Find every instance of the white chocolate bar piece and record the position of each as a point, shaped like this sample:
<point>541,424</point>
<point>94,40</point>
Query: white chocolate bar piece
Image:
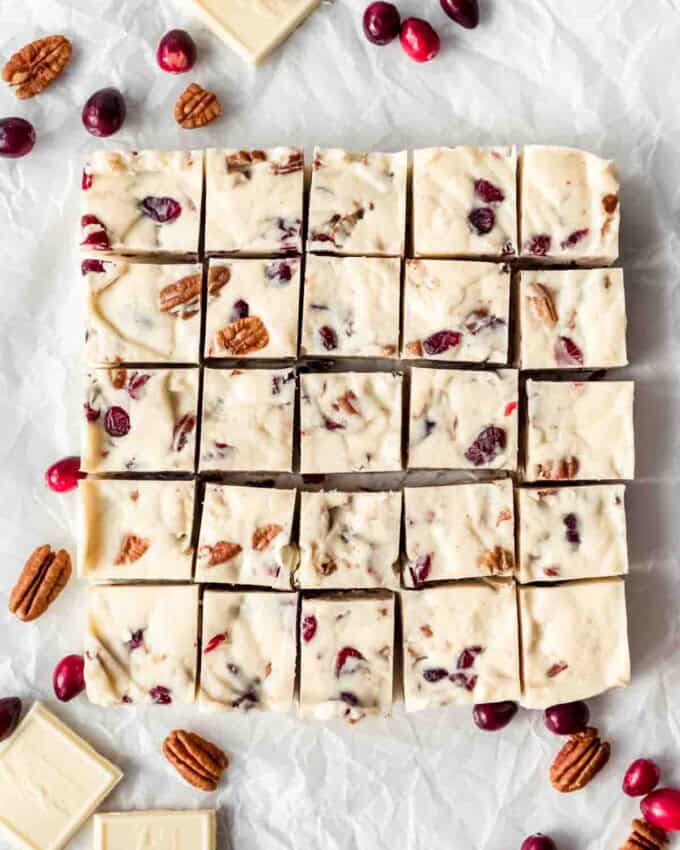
<point>156,830</point>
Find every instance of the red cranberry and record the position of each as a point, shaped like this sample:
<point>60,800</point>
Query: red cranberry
<point>176,52</point>
<point>435,674</point>
<point>641,778</point>
<point>382,23</point>
<point>567,353</point>
<point>87,181</point>
<point>97,238</point>
<point>90,413</point>
<point>492,716</point>
<point>136,639</point>
<point>280,271</point>
<point>538,842</point>
<point>96,266</point>
<point>116,422</point>
<point>161,210</point>
<point>180,434</point>
<point>539,245</point>
<point>419,40</point>
<point>440,342</point>
<point>574,238</point>
<point>343,663</point>
<point>463,12</point>
<point>104,112</point>
<point>10,711</point>
<point>160,695</point>
<point>567,718</point>
<point>662,808</point>
<point>213,643</point>
<point>483,220</point>
<point>64,475</point>
<point>309,625</point>
<point>487,445</point>
<point>69,677</point>
<point>17,137</point>
<point>137,382</point>
<point>349,698</point>
<point>571,524</point>
<point>240,310</point>
<point>421,569</point>
<point>329,338</point>
<point>467,657</point>
<point>489,193</point>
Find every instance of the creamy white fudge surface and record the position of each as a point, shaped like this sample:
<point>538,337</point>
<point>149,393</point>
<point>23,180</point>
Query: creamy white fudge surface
<point>142,202</point>
<point>572,319</point>
<point>349,540</point>
<point>580,430</point>
<point>357,203</point>
<point>572,533</point>
<point>464,202</point>
<point>136,530</point>
<point>460,644</point>
<point>52,781</point>
<point>255,313</point>
<point>575,641</point>
<point>463,419</point>
<point>569,202</point>
<point>347,656</point>
<point>254,201</point>
<point>245,536</point>
<point>248,420</point>
<point>459,531</point>
<point>140,420</point>
<point>455,310</point>
<point>350,422</point>
<point>140,645</point>
<point>351,307</point>
<point>249,651</point>
<point>142,313</point>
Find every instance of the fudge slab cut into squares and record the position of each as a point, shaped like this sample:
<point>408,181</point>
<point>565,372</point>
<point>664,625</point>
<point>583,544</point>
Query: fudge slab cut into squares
<point>457,311</point>
<point>52,781</point>
<point>248,420</point>
<point>193,830</point>
<point>140,645</point>
<point>351,422</point>
<point>142,313</point>
<point>254,201</point>
<point>459,531</point>
<point>347,656</point>
<point>572,533</point>
<point>245,536</point>
<point>569,206</point>
<point>572,319</point>
<point>464,202</point>
<point>463,419</point>
<point>249,651</point>
<point>253,308</point>
<point>580,430</point>
<point>140,420</point>
<point>136,530</point>
<point>574,641</point>
<point>142,202</point>
<point>351,307</point>
<point>461,644</point>
<point>357,203</point>
<point>349,540</point>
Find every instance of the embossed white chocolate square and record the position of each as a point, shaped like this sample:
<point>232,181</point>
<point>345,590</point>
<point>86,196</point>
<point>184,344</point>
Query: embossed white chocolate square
<point>461,644</point>
<point>574,641</point>
<point>156,830</point>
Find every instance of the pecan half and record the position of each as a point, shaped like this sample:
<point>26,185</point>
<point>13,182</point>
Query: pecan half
<point>36,65</point>
<point>294,162</point>
<point>222,552</point>
<point>196,107</point>
<point>497,560</point>
<point>243,336</point>
<point>264,535</point>
<point>131,549</point>
<point>218,277</point>
<point>181,298</point>
<point>541,304</point>
<point>415,348</point>
<point>242,162</point>
<point>565,468</point>
<point>196,760</point>
<point>644,836</point>
<point>349,403</point>
<point>118,378</point>
<point>579,761</point>
<point>42,579</point>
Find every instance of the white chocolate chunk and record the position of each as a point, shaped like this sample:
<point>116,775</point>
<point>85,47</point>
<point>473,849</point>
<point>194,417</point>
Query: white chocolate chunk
<point>156,830</point>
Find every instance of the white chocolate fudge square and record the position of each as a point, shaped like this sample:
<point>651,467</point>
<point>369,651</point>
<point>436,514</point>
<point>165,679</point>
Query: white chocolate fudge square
<point>572,533</point>
<point>249,651</point>
<point>357,203</point>
<point>255,313</point>
<point>455,310</point>
<point>136,530</point>
<point>142,313</point>
<point>140,420</point>
<point>248,420</point>
<point>347,656</point>
<point>580,430</point>
<point>142,202</point>
<point>140,645</point>
<point>569,206</point>
<point>245,536</point>
<point>459,531</point>
<point>464,202</point>
<point>349,540</point>
<point>574,641</point>
<point>351,422</point>
<point>160,830</point>
<point>463,419</point>
<point>51,782</point>
<point>254,201</point>
<point>572,319</point>
<point>351,306</point>
<point>461,644</point>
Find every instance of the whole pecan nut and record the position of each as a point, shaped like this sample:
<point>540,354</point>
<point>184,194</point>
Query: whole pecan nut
<point>182,297</point>
<point>36,65</point>
<point>541,304</point>
<point>197,761</point>
<point>242,336</point>
<point>579,761</point>
<point>644,836</point>
<point>42,579</point>
<point>131,549</point>
<point>263,536</point>
<point>196,107</point>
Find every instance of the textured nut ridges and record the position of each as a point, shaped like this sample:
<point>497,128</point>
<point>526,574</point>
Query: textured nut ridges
<point>497,560</point>
<point>218,277</point>
<point>264,535</point>
<point>243,336</point>
<point>42,579</point>
<point>196,107</point>
<point>34,67</point>
<point>565,468</point>
<point>294,162</point>
<point>579,761</point>
<point>181,297</point>
<point>222,552</point>
<point>118,378</point>
<point>541,304</point>
<point>644,836</point>
<point>197,761</point>
<point>131,549</point>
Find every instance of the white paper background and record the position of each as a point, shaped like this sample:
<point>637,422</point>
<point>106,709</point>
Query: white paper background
<point>602,74</point>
